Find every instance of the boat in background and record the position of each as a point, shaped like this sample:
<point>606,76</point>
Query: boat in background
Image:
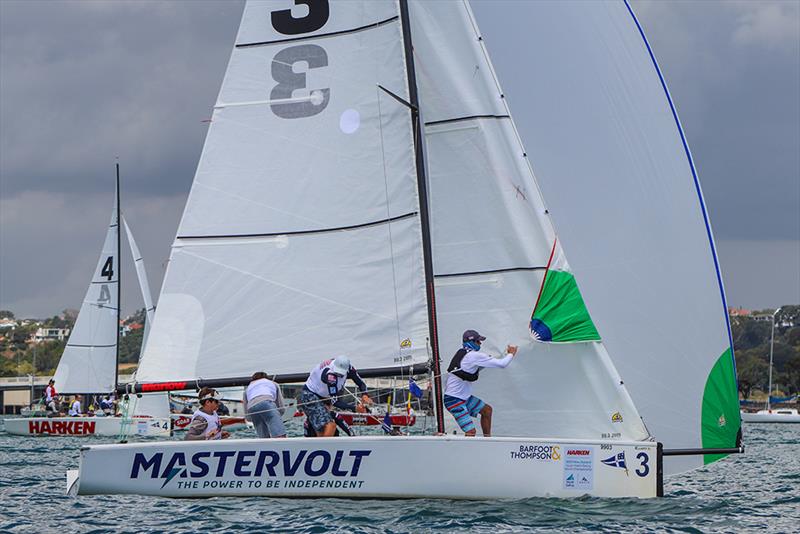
<point>768,414</point>
<point>358,194</point>
<point>90,359</point>
<point>772,415</point>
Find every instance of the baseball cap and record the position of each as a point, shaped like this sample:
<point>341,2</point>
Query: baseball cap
<point>341,365</point>
<point>472,335</point>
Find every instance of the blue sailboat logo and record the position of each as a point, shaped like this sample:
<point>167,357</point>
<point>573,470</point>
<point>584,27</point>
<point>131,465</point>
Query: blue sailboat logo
<point>618,460</point>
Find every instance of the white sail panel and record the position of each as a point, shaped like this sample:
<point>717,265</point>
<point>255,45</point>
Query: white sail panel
<point>488,217</point>
<point>617,174</point>
<point>144,285</point>
<point>451,66</point>
<point>284,304</point>
<point>153,404</point>
<point>326,148</point>
<point>487,213</point>
<point>267,21</point>
<point>89,361</point>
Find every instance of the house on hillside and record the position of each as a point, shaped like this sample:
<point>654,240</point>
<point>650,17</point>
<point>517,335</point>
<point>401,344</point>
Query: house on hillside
<point>50,334</point>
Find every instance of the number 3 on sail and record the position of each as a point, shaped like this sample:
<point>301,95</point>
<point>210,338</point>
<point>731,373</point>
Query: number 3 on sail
<point>356,196</point>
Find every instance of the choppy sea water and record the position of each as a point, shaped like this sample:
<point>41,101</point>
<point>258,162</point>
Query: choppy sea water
<point>755,492</point>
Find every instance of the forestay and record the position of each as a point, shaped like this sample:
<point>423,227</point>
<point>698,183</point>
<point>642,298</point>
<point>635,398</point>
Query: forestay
<point>301,236</point>
<point>492,240</point>
<point>89,361</point>
<point>614,165</point>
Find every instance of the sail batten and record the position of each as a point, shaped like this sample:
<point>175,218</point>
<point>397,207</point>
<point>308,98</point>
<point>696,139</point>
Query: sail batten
<point>303,232</point>
<point>320,36</point>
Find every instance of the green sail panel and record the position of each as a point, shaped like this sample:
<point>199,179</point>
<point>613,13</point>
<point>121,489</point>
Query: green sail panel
<point>560,315</point>
<point>720,420</point>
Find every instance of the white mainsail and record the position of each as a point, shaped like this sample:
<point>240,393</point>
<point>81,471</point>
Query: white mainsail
<point>301,236</point>
<point>89,361</point>
<point>615,168</point>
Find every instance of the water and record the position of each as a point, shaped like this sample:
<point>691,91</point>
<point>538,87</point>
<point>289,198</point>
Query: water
<point>757,491</point>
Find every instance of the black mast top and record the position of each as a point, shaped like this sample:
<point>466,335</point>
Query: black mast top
<point>423,211</point>
<point>119,285</point>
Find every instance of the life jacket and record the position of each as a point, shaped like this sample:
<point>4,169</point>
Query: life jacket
<point>455,367</point>
<point>213,423</point>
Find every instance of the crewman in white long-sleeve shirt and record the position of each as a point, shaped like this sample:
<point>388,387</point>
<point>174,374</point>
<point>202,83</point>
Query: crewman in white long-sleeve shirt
<point>463,370</point>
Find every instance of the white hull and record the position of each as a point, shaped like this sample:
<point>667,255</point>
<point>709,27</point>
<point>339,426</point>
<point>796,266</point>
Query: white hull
<point>87,426</point>
<point>771,416</point>
<point>374,466</point>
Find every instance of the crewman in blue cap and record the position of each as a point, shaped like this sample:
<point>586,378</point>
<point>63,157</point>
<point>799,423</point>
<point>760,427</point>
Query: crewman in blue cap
<point>462,372</point>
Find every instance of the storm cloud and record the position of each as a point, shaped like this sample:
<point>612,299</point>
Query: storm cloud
<point>83,83</point>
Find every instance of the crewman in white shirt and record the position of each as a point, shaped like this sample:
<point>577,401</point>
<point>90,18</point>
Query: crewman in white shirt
<point>75,409</point>
<point>463,371</point>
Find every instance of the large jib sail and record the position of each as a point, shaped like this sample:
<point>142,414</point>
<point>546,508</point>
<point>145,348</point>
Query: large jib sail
<point>89,361</point>
<point>492,241</point>
<point>301,236</point>
<point>614,165</point>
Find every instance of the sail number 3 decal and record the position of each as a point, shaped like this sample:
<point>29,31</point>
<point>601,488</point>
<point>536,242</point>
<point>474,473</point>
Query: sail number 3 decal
<point>284,61</point>
<point>644,469</point>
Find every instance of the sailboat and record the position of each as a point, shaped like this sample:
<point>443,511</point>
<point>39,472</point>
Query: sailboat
<point>89,361</point>
<point>363,190</point>
<point>769,414</point>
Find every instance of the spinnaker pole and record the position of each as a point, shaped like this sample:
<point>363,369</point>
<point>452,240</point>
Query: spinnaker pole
<point>422,191</point>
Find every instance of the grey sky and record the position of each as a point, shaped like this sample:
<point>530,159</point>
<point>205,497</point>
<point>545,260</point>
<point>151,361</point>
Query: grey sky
<point>83,82</point>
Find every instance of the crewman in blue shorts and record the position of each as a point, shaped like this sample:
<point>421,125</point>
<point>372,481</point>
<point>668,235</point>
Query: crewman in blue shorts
<point>462,372</point>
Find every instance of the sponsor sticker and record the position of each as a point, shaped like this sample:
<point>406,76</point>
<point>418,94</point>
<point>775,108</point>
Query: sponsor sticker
<point>69,428</point>
<point>237,469</point>
<point>543,453</point>
<point>616,417</point>
<point>405,344</point>
<point>578,468</point>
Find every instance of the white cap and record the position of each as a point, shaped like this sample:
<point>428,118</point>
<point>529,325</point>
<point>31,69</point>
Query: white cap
<point>341,365</point>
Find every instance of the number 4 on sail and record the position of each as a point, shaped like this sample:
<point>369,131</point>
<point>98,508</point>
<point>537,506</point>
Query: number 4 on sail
<point>363,190</point>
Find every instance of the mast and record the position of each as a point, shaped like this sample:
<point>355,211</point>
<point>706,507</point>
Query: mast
<point>423,211</point>
<point>119,287</point>
<point>771,346</point>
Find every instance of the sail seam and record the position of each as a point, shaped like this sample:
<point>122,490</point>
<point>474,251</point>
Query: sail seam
<point>105,282</point>
<point>305,232</point>
<point>97,346</point>
<point>332,34</point>
<point>492,271</point>
<point>467,118</point>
